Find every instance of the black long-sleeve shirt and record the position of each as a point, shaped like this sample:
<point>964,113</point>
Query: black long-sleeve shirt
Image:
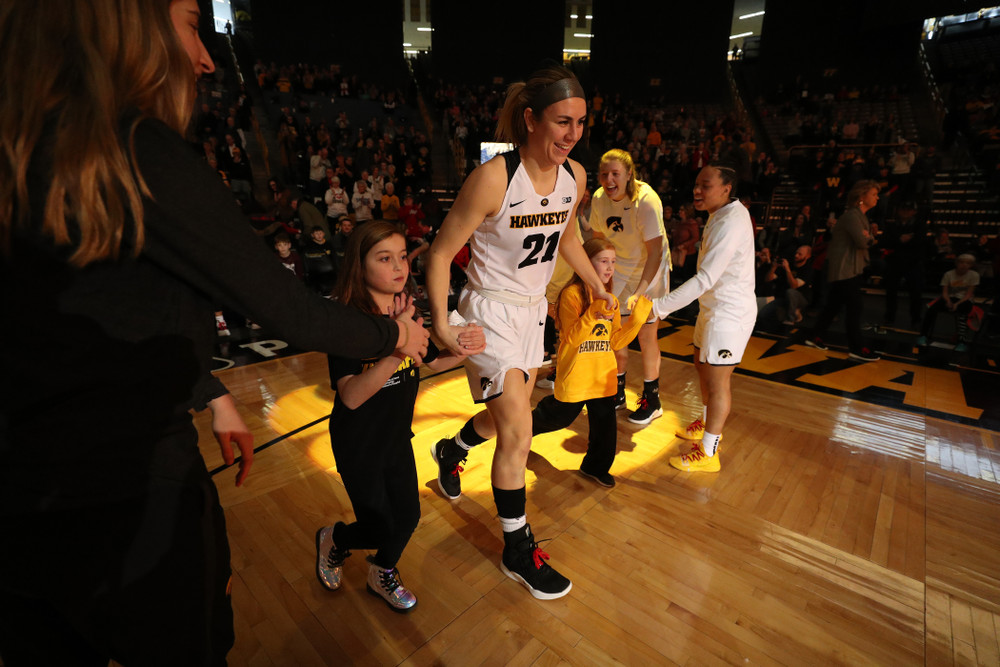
<point>99,366</point>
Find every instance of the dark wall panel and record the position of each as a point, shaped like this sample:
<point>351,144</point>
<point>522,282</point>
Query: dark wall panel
<point>682,44</point>
<point>476,41</point>
<point>365,38</point>
<point>860,39</point>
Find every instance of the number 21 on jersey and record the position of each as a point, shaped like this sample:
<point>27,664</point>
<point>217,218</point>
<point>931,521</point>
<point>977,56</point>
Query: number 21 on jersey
<point>535,243</point>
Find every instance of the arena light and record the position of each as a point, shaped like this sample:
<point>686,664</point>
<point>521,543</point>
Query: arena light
<point>742,34</point>
<point>750,16</point>
<point>582,34</point>
<point>574,16</point>
<point>576,50</point>
<point>589,16</point>
<point>407,44</point>
<point>425,29</point>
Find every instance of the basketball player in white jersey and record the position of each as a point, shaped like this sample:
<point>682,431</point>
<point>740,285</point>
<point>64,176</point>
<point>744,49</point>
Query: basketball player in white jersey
<point>723,285</point>
<point>513,210</point>
<point>628,212</point>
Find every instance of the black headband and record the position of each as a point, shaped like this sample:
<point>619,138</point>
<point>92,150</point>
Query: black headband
<point>557,91</point>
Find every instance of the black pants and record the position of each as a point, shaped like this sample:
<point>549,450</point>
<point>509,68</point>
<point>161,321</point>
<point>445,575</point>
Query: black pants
<point>381,480</point>
<point>143,581</point>
<point>843,294</point>
<point>961,314</point>
<point>551,415</point>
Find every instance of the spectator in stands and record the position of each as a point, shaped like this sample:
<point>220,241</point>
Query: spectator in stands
<point>308,216</point>
<point>289,258</point>
<point>362,202</point>
<point>846,262</point>
<point>390,203</point>
<point>794,236</point>
<point>317,254</point>
<point>684,244</point>
<point>318,175</point>
<point>339,242</point>
<point>958,287</point>
<point>793,286</point>
<point>336,199</point>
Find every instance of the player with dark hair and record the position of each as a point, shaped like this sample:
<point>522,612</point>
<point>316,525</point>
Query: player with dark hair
<point>723,285</point>
<point>513,211</point>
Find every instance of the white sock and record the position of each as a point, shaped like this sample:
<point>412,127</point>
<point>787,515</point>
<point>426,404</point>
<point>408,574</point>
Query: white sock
<point>510,525</point>
<point>458,441</point>
<point>710,443</point>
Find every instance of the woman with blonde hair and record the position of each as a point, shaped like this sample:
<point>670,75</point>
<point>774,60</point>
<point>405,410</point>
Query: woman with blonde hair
<point>629,213</point>
<point>115,242</point>
<point>513,210</point>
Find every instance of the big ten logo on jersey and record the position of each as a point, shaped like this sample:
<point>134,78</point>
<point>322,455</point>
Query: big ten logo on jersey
<point>615,224</point>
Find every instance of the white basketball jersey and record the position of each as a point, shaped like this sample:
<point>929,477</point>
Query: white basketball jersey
<point>516,249</point>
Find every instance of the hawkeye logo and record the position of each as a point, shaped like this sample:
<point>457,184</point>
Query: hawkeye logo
<point>599,330</point>
<point>485,383</point>
<point>538,219</point>
<point>725,354</point>
<point>615,224</point>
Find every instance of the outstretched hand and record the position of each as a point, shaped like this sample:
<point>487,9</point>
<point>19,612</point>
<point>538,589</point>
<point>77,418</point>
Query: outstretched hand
<point>228,427</point>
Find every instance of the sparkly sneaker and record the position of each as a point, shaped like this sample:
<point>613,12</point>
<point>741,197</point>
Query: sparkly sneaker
<point>694,431</point>
<point>696,461</point>
<point>524,562</point>
<point>387,585</point>
<point>449,468</point>
<point>647,410</point>
<point>329,559</point>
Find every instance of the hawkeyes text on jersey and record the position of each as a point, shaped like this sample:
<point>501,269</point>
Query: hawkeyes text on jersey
<point>538,219</point>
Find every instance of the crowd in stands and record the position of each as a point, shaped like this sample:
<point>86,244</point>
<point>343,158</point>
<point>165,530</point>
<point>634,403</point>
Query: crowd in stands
<point>351,172</point>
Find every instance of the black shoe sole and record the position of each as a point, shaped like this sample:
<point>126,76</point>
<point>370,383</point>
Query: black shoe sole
<point>535,593</point>
<point>656,413</point>
<point>598,480</point>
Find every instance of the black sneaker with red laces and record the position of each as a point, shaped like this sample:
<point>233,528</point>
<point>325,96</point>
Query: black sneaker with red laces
<point>647,410</point>
<point>524,562</point>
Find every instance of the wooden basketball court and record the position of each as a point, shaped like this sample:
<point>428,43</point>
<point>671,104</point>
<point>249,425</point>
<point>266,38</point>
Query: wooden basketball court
<point>837,532</point>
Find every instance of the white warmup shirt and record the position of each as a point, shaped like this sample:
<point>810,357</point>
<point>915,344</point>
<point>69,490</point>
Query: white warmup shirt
<point>724,282</point>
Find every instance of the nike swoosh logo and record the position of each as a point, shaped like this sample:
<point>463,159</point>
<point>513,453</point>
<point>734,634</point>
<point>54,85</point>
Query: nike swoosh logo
<point>518,203</point>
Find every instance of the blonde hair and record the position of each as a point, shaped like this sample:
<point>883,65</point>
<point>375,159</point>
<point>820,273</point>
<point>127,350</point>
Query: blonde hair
<point>511,126</point>
<point>625,159</point>
<point>72,72</point>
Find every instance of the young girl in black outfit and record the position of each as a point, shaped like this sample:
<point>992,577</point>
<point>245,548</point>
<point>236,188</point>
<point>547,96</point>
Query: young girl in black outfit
<point>370,424</point>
